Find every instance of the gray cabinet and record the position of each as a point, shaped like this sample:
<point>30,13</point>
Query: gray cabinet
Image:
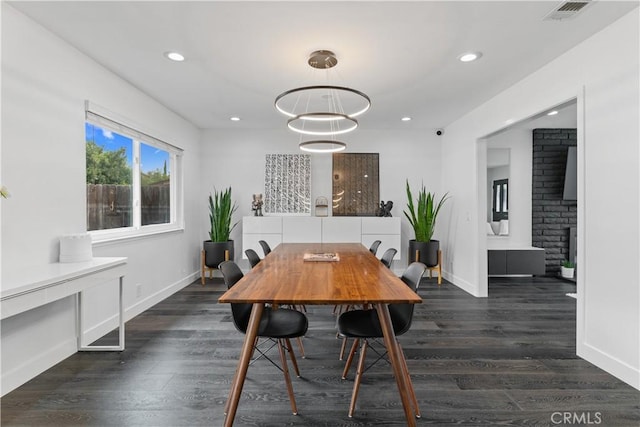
<point>497,262</point>
<point>514,261</point>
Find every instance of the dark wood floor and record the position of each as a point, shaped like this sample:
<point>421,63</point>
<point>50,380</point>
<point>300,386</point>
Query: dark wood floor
<point>508,359</point>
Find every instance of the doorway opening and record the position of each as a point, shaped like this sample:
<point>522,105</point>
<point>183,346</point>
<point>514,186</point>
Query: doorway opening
<point>538,212</point>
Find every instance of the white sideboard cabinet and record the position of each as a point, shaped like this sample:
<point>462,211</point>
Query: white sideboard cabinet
<point>341,229</point>
<point>301,229</point>
<point>256,228</point>
<point>387,230</point>
<point>310,229</point>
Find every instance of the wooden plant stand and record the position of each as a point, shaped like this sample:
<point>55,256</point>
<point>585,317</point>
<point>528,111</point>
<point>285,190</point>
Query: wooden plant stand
<point>204,268</point>
<point>437,268</point>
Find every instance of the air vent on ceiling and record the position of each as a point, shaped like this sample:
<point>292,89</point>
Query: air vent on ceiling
<point>566,10</point>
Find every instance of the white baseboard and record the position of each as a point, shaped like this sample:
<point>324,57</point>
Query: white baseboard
<point>610,364</point>
<point>153,299</point>
<point>466,286</point>
<point>36,365</point>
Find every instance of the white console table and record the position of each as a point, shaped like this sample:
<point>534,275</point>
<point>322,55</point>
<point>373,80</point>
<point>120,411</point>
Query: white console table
<point>33,287</point>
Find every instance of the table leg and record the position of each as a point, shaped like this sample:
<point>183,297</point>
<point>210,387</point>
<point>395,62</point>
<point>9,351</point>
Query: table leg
<point>396,361</point>
<point>80,328</point>
<point>121,315</point>
<point>243,363</point>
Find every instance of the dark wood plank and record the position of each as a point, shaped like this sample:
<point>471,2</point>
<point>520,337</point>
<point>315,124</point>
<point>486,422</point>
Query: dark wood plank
<point>505,360</point>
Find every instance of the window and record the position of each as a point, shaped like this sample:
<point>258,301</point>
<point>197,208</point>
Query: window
<point>109,179</point>
<point>500,199</point>
<point>131,181</point>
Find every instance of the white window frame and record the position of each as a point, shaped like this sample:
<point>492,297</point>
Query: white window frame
<point>99,117</point>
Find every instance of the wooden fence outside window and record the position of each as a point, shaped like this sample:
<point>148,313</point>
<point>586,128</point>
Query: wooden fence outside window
<point>110,206</point>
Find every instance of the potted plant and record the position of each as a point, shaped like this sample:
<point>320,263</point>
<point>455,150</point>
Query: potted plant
<point>422,218</point>
<point>219,247</point>
<point>567,270</point>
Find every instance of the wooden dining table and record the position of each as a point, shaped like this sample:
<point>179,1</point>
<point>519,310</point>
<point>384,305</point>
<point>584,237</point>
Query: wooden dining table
<point>357,277</point>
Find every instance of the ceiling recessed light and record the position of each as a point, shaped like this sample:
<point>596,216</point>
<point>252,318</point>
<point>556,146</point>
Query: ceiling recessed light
<point>405,119</point>
<point>469,56</point>
<point>174,56</point>
<point>552,113</point>
<point>234,119</point>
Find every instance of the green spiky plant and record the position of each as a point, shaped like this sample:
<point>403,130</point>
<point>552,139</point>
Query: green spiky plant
<point>423,216</point>
<point>221,210</point>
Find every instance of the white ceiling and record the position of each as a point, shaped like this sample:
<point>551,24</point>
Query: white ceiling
<point>241,55</point>
<point>566,117</point>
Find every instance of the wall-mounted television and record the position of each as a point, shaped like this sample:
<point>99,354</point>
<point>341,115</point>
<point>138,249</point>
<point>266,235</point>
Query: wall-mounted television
<point>571,175</point>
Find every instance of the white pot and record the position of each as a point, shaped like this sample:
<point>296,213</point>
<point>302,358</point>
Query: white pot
<point>567,273</point>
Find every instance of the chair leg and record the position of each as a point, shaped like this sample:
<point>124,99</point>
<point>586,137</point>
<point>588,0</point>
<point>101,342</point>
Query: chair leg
<point>299,339</point>
<point>292,356</point>
<point>343,347</point>
<point>356,383</point>
<point>287,377</point>
<point>412,392</point>
<point>352,352</point>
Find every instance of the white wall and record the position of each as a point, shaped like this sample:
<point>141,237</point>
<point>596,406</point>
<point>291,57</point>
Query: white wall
<point>603,74</point>
<point>237,158</point>
<point>44,85</point>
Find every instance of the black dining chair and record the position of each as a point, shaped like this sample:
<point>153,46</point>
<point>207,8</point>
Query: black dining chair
<point>265,247</point>
<point>374,247</point>
<point>253,257</point>
<point>387,257</point>
<point>279,325</point>
<point>364,326</point>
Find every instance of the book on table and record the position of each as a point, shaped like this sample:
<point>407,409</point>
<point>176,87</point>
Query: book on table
<point>322,257</point>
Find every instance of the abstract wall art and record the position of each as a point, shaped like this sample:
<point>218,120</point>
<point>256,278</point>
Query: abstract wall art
<point>356,184</point>
<point>287,184</point>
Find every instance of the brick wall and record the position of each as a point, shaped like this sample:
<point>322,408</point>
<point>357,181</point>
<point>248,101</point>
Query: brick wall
<point>551,216</point>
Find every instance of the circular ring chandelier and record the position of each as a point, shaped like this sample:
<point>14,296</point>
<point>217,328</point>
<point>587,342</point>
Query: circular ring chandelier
<point>320,124</point>
<point>323,98</point>
<point>322,146</point>
<point>321,109</point>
